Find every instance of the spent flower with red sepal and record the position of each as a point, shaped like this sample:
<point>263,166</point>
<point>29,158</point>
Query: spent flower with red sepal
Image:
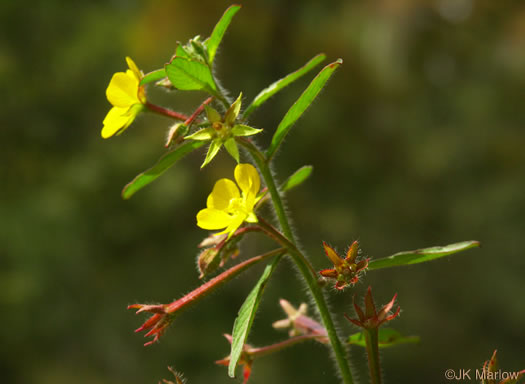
<point>163,314</point>
<point>370,318</point>
<point>346,271</point>
<point>249,353</point>
<point>157,324</point>
<point>245,359</point>
<point>492,374</point>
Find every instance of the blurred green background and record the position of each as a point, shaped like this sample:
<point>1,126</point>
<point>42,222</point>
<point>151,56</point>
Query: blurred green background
<point>418,140</point>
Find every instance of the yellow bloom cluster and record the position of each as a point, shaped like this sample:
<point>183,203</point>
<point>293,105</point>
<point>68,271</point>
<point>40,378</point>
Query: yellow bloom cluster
<point>127,97</point>
<point>226,207</point>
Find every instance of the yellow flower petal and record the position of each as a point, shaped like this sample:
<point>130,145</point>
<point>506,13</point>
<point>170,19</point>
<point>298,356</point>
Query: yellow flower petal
<point>133,67</point>
<point>248,180</point>
<point>210,218</point>
<point>236,222</point>
<point>252,218</point>
<point>123,89</point>
<point>223,191</point>
<point>116,120</point>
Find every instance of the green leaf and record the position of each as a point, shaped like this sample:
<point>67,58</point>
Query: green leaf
<point>190,75</point>
<point>388,337</point>
<point>297,178</point>
<point>231,147</point>
<point>213,149</point>
<point>301,105</point>
<point>153,76</point>
<point>219,30</point>
<point>266,93</point>
<point>421,255</point>
<point>244,319</point>
<point>165,162</point>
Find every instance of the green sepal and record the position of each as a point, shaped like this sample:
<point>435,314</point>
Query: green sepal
<point>156,75</point>
<point>163,164</point>
<point>421,255</point>
<point>218,32</point>
<point>297,178</point>
<point>244,130</point>
<point>231,114</point>
<point>190,75</point>
<point>212,114</point>
<point>213,149</point>
<point>201,135</point>
<point>231,147</point>
<point>388,337</point>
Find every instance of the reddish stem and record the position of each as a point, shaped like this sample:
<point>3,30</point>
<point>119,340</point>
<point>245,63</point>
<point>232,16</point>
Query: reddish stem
<point>166,112</point>
<point>210,286</point>
<point>198,111</point>
<point>268,349</point>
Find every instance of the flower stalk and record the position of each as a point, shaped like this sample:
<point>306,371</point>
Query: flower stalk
<point>166,112</point>
<point>370,319</point>
<point>372,352</point>
<point>163,314</point>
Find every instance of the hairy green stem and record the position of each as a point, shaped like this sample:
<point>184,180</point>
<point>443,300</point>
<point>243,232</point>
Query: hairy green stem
<point>372,351</point>
<point>304,267</point>
<point>271,231</point>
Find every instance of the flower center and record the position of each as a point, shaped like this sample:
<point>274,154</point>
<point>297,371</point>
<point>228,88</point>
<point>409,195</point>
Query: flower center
<point>237,205</point>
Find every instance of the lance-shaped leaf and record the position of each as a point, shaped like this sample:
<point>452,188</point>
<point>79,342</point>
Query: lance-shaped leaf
<point>219,30</point>
<point>156,75</point>
<point>266,93</point>
<point>244,319</point>
<point>301,105</point>
<point>388,337</point>
<point>190,75</point>
<point>421,255</point>
<point>297,178</point>
<point>165,162</point>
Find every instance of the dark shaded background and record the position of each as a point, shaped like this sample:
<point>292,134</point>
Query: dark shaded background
<point>417,141</point>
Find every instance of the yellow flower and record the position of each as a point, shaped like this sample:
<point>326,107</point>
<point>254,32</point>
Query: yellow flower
<point>226,207</point>
<point>127,97</point>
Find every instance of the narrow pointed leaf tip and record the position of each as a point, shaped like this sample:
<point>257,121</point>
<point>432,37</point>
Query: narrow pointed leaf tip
<point>299,177</point>
<point>421,255</point>
<point>301,105</point>
<point>268,92</point>
<point>244,320</point>
<point>219,30</point>
<point>162,165</point>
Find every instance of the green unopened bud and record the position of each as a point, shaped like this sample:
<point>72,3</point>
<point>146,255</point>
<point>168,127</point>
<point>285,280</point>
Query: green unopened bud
<point>208,261</point>
<point>175,133</point>
<point>216,256</point>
